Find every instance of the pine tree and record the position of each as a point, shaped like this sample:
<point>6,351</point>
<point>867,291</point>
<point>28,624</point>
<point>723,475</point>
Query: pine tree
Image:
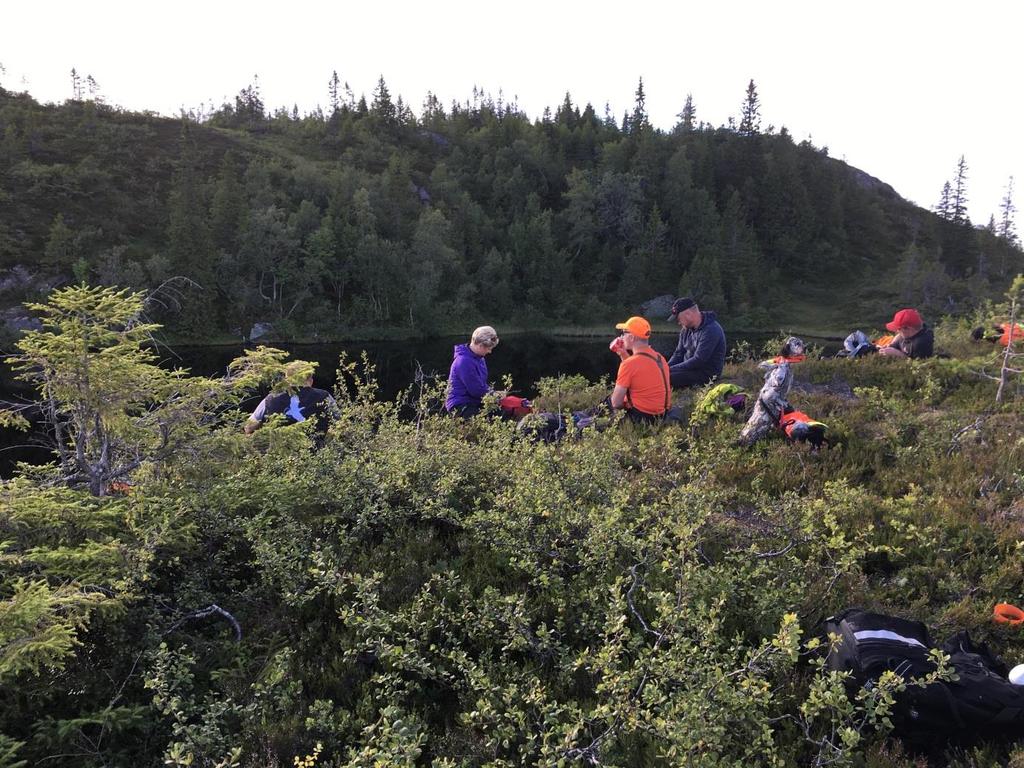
<point>609,118</point>
<point>688,115</point>
<point>228,205</point>
<point>382,105</point>
<point>750,122</point>
<point>189,246</point>
<point>76,85</point>
<point>332,92</point>
<point>93,87</point>
<point>958,207</point>
<point>1007,209</point>
<point>61,248</point>
<point>638,120</point>
<point>248,104</point>
<point>567,114</point>
<point>944,206</point>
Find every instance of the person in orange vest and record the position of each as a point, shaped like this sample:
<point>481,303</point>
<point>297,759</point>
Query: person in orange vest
<point>1000,334</point>
<point>914,339</point>
<point>642,386</point>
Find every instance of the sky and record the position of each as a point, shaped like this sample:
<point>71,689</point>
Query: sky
<point>900,89</point>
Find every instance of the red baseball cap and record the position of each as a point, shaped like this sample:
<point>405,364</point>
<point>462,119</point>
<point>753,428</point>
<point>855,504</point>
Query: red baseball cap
<point>905,318</point>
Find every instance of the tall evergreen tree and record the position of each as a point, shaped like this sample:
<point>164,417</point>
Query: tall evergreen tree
<point>945,205</point>
<point>76,85</point>
<point>638,120</point>
<point>958,207</point>
<point>188,238</point>
<point>332,92</point>
<point>750,120</point>
<point>249,105</point>
<point>382,106</point>
<point>567,114</point>
<point>688,116</point>
<point>1007,209</point>
<point>61,249</point>
<point>609,118</point>
<point>228,205</point>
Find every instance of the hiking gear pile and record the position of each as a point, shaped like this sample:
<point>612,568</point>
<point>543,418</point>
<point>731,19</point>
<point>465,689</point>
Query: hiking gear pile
<point>721,400</point>
<point>980,703</point>
<point>515,407</point>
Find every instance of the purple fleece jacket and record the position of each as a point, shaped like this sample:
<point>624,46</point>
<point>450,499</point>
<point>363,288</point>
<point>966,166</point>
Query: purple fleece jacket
<point>467,380</point>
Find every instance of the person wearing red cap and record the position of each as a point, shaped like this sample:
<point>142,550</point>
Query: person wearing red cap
<point>642,386</point>
<point>914,339</point>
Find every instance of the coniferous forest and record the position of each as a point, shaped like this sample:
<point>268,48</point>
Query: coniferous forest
<point>367,219</point>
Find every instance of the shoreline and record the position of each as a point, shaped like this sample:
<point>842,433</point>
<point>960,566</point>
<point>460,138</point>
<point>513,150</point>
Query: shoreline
<point>566,332</point>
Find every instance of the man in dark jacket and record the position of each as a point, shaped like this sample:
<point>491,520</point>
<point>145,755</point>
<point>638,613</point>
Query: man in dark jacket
<point>700,354</point>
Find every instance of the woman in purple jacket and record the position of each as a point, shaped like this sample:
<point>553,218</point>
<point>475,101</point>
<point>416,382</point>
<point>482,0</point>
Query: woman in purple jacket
<point>467,379</point>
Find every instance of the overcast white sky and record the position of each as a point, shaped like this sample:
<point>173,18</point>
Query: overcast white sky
<point>899,89</point>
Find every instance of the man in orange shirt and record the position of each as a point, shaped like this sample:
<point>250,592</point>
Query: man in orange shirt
<point>642,386</point>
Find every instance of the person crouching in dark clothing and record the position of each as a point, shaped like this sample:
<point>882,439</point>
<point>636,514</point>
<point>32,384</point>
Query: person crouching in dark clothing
<point>299,401</point>
<point>700,353</point>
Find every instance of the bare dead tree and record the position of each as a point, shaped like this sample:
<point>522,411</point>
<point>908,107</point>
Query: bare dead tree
<point>1009,355</point>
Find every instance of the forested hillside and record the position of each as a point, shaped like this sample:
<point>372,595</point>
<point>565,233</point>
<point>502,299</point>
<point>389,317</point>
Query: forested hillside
<point>367,218</point>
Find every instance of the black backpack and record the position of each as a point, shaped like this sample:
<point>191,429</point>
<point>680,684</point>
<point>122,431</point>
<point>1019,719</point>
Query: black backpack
<point>981,704</point>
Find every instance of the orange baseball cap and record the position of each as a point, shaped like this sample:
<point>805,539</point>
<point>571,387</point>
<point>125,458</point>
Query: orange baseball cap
<point>905,318</point>
<point>636,326</point>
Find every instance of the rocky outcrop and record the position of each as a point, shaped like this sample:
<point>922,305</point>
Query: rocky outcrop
<point>657,308</point>
<point>260,331</point>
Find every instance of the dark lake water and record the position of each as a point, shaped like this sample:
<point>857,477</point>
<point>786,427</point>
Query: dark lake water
<point>525,357</point>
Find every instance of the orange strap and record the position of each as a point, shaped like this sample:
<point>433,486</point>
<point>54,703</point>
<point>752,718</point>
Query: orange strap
<point>1004,613</point>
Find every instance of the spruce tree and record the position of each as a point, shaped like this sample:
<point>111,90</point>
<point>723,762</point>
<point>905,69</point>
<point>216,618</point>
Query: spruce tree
<point>609,118</point>
<point>688,115</point>
<point>61,247</point>
<point>188,238</point>
<point>638,120</point>
<point>944,206</point>
<point>1007,209</point>
<point>248,104</point>
<point>228,205</point>
<point>332,92</point>
<point>76,85</point>
<point>750,122</point>
<point>958,207</point>
<point>567,114</point>
<point>382,105</point>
